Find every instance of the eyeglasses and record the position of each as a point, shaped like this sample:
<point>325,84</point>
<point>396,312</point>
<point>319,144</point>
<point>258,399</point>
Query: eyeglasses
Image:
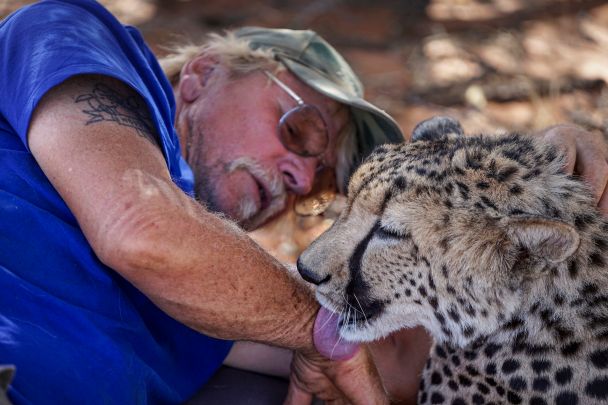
<point>302,130</point>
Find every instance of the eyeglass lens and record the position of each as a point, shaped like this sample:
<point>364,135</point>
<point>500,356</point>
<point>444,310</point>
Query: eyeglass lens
<point>303,131</point>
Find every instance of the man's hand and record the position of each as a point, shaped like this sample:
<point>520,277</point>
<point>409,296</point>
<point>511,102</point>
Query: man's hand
<point>587,155</point>
<point>352,381</point>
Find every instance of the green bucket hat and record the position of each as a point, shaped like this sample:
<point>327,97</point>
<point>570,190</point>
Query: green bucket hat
<point>314,61</point>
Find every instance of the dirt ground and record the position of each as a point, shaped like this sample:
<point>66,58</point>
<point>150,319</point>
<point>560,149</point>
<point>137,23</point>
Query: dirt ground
<point>497,65</point>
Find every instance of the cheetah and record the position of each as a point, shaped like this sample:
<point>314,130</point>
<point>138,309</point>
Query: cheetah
<point>489,245</point>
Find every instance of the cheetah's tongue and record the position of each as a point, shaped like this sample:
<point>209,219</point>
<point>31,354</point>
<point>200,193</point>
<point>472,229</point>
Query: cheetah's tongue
<point>328,341</point>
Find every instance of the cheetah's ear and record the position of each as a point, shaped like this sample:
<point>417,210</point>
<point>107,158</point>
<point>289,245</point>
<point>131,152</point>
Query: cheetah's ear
<point>553,240</point>
<point>437,129</point>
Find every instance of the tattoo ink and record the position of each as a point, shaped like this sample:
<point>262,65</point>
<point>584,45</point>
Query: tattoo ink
<point>104,104</point>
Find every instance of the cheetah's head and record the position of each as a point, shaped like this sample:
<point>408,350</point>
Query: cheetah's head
<point>445,232</point>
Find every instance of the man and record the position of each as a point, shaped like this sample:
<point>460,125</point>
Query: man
<point>101,250</point>
<point>115,282</point>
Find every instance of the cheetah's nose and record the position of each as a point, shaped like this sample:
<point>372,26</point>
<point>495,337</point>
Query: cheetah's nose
<point>310,276</point>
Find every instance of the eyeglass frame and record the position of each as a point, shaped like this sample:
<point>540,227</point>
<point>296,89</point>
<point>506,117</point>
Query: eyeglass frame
<point>300,103</point>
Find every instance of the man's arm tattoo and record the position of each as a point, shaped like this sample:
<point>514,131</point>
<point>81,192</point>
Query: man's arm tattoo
<point>103,103</point>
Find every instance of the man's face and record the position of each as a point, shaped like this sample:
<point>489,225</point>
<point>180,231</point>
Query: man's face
<point>241,168</point>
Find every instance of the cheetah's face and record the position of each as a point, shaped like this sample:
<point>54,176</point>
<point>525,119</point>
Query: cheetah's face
<point>438,226</point>
<point>372,271</point>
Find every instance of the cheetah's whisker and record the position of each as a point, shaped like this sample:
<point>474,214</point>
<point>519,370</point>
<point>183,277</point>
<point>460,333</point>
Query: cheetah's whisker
<point>361,307</point>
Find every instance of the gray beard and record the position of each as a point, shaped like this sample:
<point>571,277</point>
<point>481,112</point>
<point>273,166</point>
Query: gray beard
<point>247,216</point>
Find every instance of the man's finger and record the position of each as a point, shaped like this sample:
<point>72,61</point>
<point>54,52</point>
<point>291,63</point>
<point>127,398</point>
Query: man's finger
<point>296,395</point>
<point>350,380</point>
<point>586,154</point>
<point>557,137</point>
<point>603,204</point>
<point>592,166</point>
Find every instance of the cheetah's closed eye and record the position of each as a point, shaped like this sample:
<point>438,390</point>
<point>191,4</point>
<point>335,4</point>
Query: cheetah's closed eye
<point>485,242</point>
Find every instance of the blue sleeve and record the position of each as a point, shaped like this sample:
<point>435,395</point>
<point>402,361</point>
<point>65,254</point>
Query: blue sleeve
<point>44,44</point>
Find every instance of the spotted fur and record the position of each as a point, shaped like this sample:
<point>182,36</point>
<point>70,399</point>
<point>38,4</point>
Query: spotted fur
<point>490,246</point>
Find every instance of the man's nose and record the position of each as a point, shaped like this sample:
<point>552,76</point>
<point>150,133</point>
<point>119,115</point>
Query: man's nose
<point>299,174</point>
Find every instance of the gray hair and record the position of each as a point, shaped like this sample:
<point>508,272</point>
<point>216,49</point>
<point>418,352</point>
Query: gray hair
<point>236,54</point>
<point>230,50</point>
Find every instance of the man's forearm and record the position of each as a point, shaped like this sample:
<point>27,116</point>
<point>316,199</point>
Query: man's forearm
<point>260,358</point>
<point>203,270</point>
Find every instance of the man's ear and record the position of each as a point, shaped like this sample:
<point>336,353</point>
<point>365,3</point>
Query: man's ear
<point>552,240</point>
<point>194,77</point>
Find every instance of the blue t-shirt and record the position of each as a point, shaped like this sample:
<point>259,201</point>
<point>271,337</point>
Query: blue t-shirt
<point>77,332</point>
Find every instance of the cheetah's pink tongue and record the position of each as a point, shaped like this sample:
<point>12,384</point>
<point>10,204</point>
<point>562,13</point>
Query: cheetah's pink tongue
<point>328,341</point>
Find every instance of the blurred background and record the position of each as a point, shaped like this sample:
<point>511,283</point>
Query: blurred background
<point>506,65</point>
